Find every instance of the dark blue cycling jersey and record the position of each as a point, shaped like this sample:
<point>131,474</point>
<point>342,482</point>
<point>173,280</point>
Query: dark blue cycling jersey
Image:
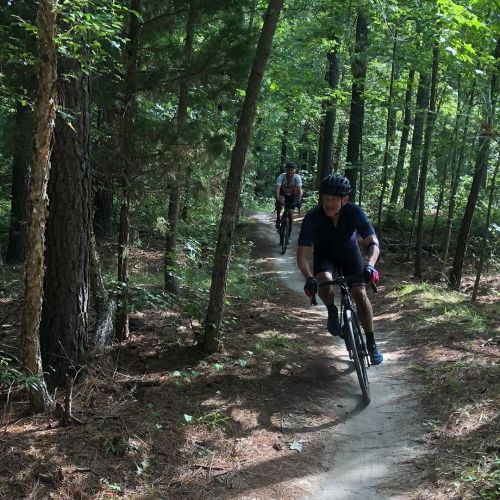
<point>318,229</point>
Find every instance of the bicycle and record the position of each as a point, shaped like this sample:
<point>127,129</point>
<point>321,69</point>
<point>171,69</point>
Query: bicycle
<point>285,229</point>
<point>351,333</point>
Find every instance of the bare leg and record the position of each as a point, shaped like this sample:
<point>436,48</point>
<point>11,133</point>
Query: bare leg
<point>363,307</point>
<point>278,216</point>
<point>325,293</point>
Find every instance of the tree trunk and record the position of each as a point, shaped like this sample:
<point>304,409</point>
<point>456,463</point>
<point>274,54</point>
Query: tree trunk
<point>456,171</point>
<point>444,168</point>
<point>64,328</point>
<point>16,250</point>
<point>485,138</point>
<point>171,284</point>
<point>129,164</point>
<point>398,174</point>
<point>122,296</point>
<point>484,242</point>
<point>389,137</point>
<point>103,205</point>
<point>105,305</point>
<point>416,143</point>
<point>357,112</point>
<point>284,138</point>
<point>211,340</point>
<point>44,115</point>
<point>431,117</point>
<point>332,77</point>
<point>337,155</point>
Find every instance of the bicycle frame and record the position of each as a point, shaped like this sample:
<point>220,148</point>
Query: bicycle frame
<point>286,226</point>
<point>351,333</point>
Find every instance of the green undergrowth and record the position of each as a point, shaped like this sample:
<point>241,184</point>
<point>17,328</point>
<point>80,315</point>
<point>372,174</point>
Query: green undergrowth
<point>460,371</point>
<point>450,312</point>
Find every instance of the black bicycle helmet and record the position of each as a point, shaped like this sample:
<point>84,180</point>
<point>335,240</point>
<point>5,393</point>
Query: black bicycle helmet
<point>335,185</point>
<point>290,165</point>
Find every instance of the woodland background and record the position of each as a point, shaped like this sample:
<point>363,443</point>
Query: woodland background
<point>159,124</point>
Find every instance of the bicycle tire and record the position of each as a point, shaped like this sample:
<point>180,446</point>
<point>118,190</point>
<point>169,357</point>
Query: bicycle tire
<point>284,234</point>
<point>353,345</point>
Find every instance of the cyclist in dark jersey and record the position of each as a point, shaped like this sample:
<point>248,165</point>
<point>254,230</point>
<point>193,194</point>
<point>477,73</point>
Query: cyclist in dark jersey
<point>332,227</point>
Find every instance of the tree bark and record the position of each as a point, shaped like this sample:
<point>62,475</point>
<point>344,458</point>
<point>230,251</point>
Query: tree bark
<point>171,283</point>
<point>64,328</point>
<point>416,143</point>
<point>484,242</point>
<point>103,204</point>
<point>456,171</point>
<point>398,174</point>
<point>431,117</point>
<point>211,340</point>
<point>357,112</point>
<point>389,137</point>
<point>44,116</point>
<point>337,154</point>
<point>284,138</point>
<point>128,166</point>
<point>332,77</point>
<point>485,138</point>
<point>444,169</point>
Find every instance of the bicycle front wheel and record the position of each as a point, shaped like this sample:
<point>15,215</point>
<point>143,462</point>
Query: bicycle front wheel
<point>284,234</point>
<point>353,345</point>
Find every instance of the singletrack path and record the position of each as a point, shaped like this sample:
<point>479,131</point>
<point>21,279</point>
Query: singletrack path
<point>370,454</point>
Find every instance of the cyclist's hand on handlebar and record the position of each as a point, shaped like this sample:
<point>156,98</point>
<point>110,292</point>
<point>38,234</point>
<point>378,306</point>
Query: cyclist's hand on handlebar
<point>371,274</point>
<point>311,287</point>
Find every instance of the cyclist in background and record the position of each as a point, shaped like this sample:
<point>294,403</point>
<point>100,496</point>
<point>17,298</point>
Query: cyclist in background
<point>332,228</point>
<point>288,190</point>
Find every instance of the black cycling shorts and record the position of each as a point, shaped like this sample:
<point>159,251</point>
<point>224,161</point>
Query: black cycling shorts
<point>290,202</point>
<point>351,264</point>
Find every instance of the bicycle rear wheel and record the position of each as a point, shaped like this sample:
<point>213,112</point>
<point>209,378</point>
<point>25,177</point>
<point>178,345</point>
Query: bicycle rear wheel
<point>284,234</point>
<point>353,344</point>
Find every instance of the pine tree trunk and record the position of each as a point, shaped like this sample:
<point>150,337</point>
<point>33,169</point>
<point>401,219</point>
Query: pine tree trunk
<point>410,198</point>
<point>284,138</point>
<point>389,137</point>
<point>64,328</point>
<point>479,172</point>
<point>398,174</point>
<point>332,77</point>
<point>484,242</point>
<point>431,117</point>
<point>44,116</point>
<point>337,155</point>
<point>103,206</point>
<point>357,112</point>
<point>456,172</point>
<point>128,166</point>
<point>440,197</point>
<point>171,284</point>
<point>211,340</point>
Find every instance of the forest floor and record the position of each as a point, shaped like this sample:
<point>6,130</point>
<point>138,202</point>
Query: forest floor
<point>257,421</point>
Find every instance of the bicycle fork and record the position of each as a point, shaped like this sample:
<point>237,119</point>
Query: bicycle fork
<point>347,316</point>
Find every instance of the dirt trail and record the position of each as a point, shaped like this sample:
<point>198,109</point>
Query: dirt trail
<point>371,453</point>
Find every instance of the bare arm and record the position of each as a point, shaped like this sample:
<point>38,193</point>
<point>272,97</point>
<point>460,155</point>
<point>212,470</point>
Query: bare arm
<point>373,251</point>
<point>277,193</point>
<point>303,256</point>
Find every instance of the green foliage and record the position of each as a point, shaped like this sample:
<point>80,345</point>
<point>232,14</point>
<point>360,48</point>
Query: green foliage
<point>4,220</point>
<point>142,297</point>
<point>273,345</point>
<point>213,419</point>
<point>10,376</point>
